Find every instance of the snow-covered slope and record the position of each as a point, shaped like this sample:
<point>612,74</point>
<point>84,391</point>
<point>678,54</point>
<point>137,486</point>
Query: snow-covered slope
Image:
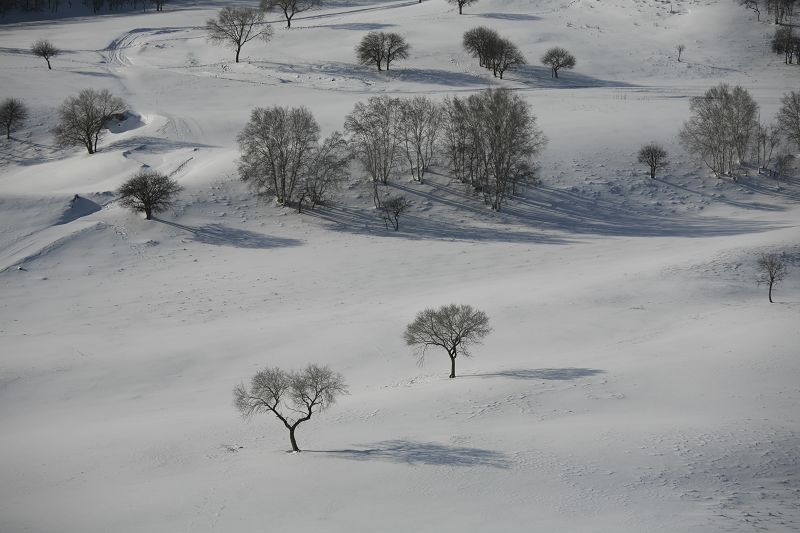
<point>636,379</point>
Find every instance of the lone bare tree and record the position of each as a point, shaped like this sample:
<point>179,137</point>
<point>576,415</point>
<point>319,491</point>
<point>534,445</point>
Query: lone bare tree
<point>277,146</point>
<point>771,270</point>
<point>461,4</point>
<point>149,192</point>
<point>557,58</point>
<point>392,208</point>
<point>82,118</point>
<point>654,156</point>
<point>451,327</point>
<point>236,26</point>
<point>293,397</point>
<point>46,50</point>
<point>290,8</point>
<point>789,116</point>
<point>13,114</point>
<point>680,48</point>
<point>377,48</point>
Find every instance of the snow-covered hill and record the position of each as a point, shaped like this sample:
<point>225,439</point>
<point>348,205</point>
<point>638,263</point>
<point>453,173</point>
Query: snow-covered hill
<point>636,379</point>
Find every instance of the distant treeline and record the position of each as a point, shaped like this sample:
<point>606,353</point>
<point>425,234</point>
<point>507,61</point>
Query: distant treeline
<point>96,6</point>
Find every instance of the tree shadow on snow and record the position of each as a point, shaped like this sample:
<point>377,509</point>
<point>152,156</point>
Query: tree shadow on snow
<point>424,453</point>
<point>506,16</point>
<point>354,26</point>
<point>550,374</point>
<point>540,77</point>
<point>221,235</point>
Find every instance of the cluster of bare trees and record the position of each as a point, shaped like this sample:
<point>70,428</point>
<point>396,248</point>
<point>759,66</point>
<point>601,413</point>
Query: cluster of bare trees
<point>378,47</point>
<point>787,43</point>
<point>97,6</point>
<point>282,156</point>
<point>725,131</point>
<point>781,10</point>
<point>491,142</point>
<point>492,51</point>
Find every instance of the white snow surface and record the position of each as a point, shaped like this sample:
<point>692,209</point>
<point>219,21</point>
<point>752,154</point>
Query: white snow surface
<point>637,379</point>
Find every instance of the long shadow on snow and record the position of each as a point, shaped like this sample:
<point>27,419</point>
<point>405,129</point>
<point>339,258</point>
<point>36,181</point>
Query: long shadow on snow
<point>354,26</point>
<point>547,208</point>
<point>539,77</point>
<point>554,374</point>
<point>719,198</point>
<point>411,75</point>
<point>221,235</point>
<point>506,16</point>
<point>153,145</point>
<point>367,221</point>
<point>426,453</point>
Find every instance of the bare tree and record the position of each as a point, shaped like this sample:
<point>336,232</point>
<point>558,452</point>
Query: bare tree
<point>327,172</point>
<point>13,114</point>
<point>396,48</point>
<point>236,26</point>
<point>392,208</point>
<point>789,116</point>
<point>293,397</point>
<point>46,50</point>
<point>754,5</point>
<point>654,156</point>
<point>680,48</point>
<point>379,47</point>
<point>504,55</point>
<point>289,7</point>
<point>557,58</point>
<point>722,127</point>
<point>457,139</point>
<point>82,118</point>
<point>767,138</point>
<point>783,43</point>
<point>149,192</point>
<point>461,4</point>
<point>771,270</point>
<point>373,129</point>
<point>158,3</point>
<point>420,124</point>
<point>503,142</point>
<point>451,327</point>
<point>277,147</point>
<point>479,41</point>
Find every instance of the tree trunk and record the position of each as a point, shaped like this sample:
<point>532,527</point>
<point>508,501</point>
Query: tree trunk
<point>48,64</point>
<point>652,173</point>
<point>148,213</point>
<point>452,366</point>
<point>555,72</point>
<point>238,49</point>
<point>770,291</point>
<point>295,448</point>
<point>460,7</point>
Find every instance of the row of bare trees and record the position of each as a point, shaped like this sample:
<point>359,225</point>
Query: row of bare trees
<point>53,6</point>
<point>781,10</point>
<point>493,52</point>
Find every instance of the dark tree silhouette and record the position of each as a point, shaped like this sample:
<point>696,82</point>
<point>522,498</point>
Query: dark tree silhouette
<point>557,58</point>
<point>789,116</point>
<point>82,118</point>
<point>771,270</point>
<point>392,208</point>
<point>293,397</point>
<point>13,114</point>
<point>236,26</point>
<point>461,4</point>
<point>290,8</point>
<point>149,192</point>
<point>379,47</point>
<point>452,327</point>
<point>45,49</point>
<point>479,41</point>
<point>654,156</point>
